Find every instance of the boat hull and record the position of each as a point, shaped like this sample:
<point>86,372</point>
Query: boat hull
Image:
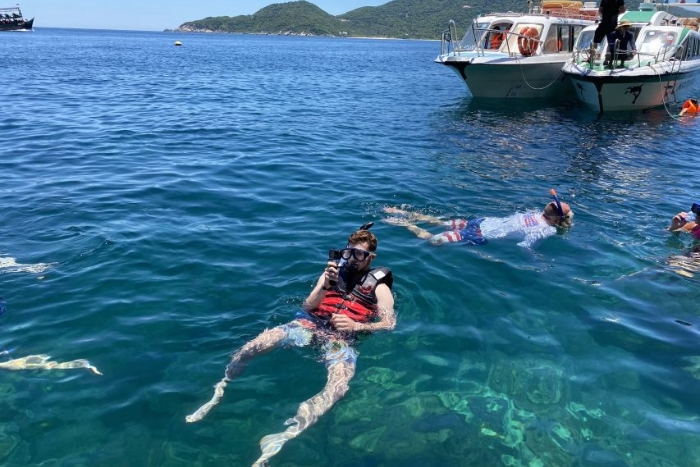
<point>631,90</point>
<point>513,78</point>
<point>17,26</point>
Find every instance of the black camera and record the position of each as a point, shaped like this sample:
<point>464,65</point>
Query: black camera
<point>335,255</point>
<point>695,209</point>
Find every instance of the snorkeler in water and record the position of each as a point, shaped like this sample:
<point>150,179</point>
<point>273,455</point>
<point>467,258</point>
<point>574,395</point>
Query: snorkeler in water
<point>531,225</point>
<point>349,298</point>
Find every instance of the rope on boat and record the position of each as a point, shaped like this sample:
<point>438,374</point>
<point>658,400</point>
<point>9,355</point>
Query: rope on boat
<point>522,73</point>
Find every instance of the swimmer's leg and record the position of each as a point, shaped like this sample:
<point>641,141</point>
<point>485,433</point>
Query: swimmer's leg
<point>266,341</point>
<point>339,374</point>
<point>452,236</point>
<point>413,216</point>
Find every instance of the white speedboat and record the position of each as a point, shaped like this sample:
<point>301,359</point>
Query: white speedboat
<point>518,55</point>
<point>666,64</point>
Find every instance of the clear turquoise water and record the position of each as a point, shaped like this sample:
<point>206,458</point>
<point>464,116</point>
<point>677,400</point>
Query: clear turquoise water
<point>186,198</point>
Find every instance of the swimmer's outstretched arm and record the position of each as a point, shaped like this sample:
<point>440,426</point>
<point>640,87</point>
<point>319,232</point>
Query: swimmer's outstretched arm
<point>41,362</point>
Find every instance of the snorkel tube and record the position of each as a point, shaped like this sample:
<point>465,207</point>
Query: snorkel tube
<point>556,200</point>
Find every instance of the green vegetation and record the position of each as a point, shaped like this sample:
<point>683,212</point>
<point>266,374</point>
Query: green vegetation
<point>414,19</point>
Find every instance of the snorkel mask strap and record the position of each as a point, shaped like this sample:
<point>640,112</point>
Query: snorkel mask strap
<point>556,200</point>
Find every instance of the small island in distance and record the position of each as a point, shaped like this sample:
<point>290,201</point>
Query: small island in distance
<point>404,19</point>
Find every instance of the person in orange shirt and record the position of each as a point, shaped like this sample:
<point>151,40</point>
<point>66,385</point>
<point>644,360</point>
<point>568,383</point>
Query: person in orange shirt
<point>496,39</point>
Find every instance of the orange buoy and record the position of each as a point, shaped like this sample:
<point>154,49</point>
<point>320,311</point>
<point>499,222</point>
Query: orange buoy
<point>527,41</point>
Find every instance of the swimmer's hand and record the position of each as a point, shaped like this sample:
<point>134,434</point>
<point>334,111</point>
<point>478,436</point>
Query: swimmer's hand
<point>678,221</point>
<point>331,274</point>
<point>344,323</point>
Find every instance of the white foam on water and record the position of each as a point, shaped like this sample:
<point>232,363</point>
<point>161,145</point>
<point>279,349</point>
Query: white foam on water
<point>11,265</point>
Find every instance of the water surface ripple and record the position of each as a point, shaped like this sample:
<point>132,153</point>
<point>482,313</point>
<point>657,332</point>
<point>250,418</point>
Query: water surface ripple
<point>184,199</point>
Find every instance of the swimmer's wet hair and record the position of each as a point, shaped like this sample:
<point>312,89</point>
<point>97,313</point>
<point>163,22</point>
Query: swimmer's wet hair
<point>361,236</point>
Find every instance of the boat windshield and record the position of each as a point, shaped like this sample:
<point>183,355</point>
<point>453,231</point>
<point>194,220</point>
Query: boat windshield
<point>474,35</point>
<point>657,41</point>
<point>585,39</point>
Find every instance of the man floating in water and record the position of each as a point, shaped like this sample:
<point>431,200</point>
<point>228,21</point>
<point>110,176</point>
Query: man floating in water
<point>532,225</point>
<point>349,298</point>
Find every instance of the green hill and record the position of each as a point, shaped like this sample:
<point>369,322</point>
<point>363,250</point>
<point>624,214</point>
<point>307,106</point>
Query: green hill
<point>414,19</point>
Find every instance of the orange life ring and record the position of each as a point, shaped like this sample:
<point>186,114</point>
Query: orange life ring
<point>527,41</point>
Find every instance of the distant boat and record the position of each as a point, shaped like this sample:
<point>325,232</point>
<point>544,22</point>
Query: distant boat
<point>11,19</point>
<point>518,55</point>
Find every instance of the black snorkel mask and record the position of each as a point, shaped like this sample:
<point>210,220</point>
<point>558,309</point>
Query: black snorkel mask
<point>695,209</point>
<point>353,266</point>
<point>558,203</point>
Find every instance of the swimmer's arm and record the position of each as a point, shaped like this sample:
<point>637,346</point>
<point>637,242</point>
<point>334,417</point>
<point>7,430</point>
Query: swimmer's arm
<point>385,312</point>
<point>313,301</point>
<point>323,284</point>
<point>679,223</point>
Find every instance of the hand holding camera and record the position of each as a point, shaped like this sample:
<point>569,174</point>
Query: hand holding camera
<point>333,268</point>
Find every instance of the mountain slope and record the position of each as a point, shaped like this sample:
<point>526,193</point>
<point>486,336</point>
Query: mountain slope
<point>416,19</point>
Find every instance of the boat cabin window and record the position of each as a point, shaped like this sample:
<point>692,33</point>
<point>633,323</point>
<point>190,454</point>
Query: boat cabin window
<point>560,38</point>
<point>496,35</point>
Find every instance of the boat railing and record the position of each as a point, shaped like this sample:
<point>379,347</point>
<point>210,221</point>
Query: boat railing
<point>449,41</point>
<point>642,58</point>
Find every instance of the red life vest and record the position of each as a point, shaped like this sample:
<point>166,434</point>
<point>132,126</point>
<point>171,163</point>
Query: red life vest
<point>361,303</point>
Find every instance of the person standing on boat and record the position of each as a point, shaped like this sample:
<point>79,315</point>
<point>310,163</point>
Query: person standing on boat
<point>350,298</point>
<point>609,11</point>
<point>621,44</point>
<point>533,225</point>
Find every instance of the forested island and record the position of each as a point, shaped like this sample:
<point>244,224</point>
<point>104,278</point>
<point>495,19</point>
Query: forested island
<point>406,19</point>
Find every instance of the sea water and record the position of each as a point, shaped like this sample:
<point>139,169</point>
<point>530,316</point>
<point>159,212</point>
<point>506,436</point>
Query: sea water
<point>163,205</point>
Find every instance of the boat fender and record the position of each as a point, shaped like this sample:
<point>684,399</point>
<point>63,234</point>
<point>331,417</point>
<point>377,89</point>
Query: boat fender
<point>527,41</point>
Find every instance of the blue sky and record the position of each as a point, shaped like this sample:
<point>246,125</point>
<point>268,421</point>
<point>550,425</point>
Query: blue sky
<point>153,15</point>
